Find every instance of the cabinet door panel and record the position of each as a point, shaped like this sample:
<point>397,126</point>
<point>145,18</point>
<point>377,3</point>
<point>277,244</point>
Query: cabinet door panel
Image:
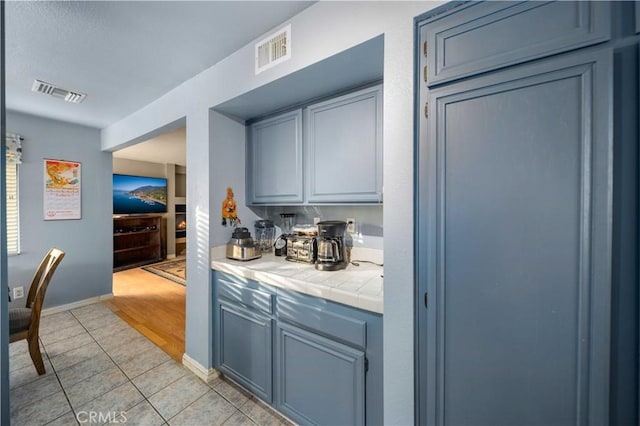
<point>488,36</point>
<point>245,348</point>
<point>344,148</point>
<point>515,190</point>
<point>275,160</point>
<point>319,381</point>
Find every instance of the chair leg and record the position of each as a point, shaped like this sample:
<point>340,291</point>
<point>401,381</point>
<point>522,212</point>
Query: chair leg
<point>36,356</point>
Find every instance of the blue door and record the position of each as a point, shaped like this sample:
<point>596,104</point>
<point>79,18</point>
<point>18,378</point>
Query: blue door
<point>514,251</point>
<point>274,160</point>
<point>319,381</point>
<point>246,348</point>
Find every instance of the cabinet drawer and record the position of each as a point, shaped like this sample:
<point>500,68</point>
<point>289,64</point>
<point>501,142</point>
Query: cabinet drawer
<point>488,36</point>
<point>253,298</point>
<point>348,330</point>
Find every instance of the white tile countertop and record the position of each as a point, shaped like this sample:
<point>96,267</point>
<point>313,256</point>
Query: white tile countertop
<point>357,286</point>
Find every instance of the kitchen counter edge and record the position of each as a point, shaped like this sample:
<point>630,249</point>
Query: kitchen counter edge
<point>355,299</point>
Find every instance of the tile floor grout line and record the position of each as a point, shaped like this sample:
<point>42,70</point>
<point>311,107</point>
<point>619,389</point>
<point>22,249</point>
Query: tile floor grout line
<point>64,392</point>
<point>55,371</point>
<point>219,394</point>
<point>73,409</point>
<point>130,380</point>
<point>239,408</point>
<point>145,396</point>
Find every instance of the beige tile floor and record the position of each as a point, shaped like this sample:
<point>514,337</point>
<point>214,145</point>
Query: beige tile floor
<point>99,370</point>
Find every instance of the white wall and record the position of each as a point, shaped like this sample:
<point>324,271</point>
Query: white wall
<point>85,271</point>
<point>319,32</point>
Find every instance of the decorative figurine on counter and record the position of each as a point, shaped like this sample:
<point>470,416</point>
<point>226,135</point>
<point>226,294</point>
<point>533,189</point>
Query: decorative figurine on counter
<point>229,212</point>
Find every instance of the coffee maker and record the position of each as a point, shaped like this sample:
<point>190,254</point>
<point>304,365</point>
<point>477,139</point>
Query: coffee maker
<point>332,253</point>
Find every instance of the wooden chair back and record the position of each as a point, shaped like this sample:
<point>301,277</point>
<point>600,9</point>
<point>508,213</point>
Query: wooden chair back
<point>39,285</point>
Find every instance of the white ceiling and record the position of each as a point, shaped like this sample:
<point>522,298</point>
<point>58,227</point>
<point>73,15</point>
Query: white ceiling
<point>123,54</point>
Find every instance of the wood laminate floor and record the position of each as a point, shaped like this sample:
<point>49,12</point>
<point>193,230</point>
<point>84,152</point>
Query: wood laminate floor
<point>152,305</point>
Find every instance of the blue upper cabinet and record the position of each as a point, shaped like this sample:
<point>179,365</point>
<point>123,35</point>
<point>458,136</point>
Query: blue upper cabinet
<point>274,160</point>
<point>470,43</point>
<point>343,143</point>
<point>637,16</point>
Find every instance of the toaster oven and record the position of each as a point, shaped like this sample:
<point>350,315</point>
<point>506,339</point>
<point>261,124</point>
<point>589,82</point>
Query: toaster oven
<point>301,248</point>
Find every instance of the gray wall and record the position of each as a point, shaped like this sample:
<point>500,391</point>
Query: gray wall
<point>85,272</point>
<point>320,31</point>
<point>368,220</point>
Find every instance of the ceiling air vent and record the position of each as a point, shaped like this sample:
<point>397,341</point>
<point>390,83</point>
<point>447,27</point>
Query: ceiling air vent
<point>273,50</point>
<point>57,92</point>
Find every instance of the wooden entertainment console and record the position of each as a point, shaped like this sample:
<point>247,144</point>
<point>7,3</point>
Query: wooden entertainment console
<point>136,241</point>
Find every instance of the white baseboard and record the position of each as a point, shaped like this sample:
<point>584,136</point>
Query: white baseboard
<point>199,370</point>
<point>78,304</point>
<point>171,256</point>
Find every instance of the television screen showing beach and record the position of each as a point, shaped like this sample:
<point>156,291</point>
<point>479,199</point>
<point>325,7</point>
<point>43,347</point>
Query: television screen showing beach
<point>139,194</point>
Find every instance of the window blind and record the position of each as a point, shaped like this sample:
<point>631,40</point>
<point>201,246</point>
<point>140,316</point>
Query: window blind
<point>13,152</point>
<point>13,216</point>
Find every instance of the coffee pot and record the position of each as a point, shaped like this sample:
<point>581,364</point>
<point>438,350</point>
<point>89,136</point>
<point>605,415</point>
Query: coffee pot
<point>331,247</point>
<point>329,250</point>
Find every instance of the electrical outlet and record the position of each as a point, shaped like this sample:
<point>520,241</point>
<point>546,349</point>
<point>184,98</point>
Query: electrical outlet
<point>18,292</point>
<point>316,220</point>
<point>351,225</point>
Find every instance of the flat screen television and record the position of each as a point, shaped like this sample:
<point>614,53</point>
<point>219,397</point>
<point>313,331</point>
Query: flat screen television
<point>139,194</point>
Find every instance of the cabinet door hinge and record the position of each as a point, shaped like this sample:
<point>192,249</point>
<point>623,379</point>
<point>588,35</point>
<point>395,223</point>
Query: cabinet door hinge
<point>366,364</point>
<point>424,73</point>
<point>426,300</point>
<point>426,109</point>
<point>424,48</point>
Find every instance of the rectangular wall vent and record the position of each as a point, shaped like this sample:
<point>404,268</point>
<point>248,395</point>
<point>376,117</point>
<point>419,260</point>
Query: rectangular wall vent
<point>57,92</point>
<point>273,50</point>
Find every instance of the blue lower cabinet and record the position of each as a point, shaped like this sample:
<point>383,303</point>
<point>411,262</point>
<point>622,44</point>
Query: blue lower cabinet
<point>319,381</point>
<point>316,361</point>
<point>245,345</point>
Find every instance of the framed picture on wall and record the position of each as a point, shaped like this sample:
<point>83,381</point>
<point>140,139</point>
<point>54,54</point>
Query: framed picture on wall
<point>62,190</point>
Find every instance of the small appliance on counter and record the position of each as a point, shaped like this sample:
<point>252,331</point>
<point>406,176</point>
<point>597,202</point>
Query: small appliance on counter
<point>306,230</point>
<point>241,246</point>
<point>301,248</point>
<point>280,246</point>
<point>331,248</point>
<point>265,235</point>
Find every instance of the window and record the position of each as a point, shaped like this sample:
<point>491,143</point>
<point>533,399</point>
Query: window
<point>13,216</point>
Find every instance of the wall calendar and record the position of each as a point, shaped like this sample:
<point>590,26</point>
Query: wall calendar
<point>62,191</point>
